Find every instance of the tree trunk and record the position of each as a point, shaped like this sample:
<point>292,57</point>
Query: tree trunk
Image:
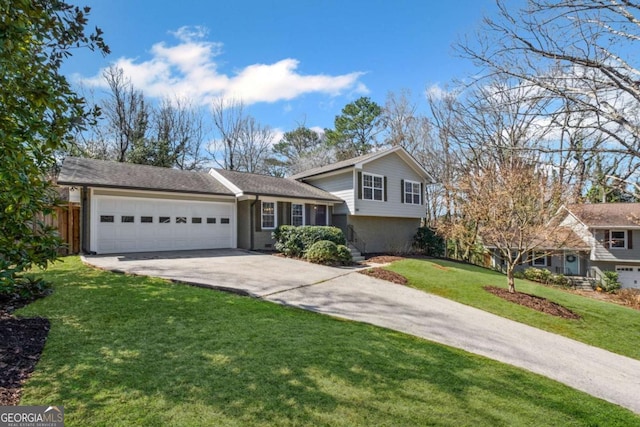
<point>511,281</point>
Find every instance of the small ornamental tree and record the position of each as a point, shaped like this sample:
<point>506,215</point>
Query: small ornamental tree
<point>38,113</point>
<point>512,206</point>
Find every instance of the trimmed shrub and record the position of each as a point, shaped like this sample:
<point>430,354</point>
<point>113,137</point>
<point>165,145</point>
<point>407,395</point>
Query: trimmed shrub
<point>541,275</point>
<point>533,274</point>
<point>428,242</point>
<point>323,252</point>
<point>610,282</point>
<point>295,241</point>
<point>344,255</point>
<point>559,280</point>
<point>288,241</point>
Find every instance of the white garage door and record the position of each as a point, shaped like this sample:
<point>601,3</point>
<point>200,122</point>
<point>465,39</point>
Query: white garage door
<point>629,275</point>
<point>127,224</point>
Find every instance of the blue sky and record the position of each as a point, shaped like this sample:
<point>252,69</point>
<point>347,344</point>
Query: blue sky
<point>292,62</point>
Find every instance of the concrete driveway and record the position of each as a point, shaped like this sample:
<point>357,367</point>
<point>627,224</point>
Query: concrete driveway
<point>235,270</point>
<point>346,294</point>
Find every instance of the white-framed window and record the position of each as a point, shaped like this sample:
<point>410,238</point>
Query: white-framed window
<point>372,187</point>
<point>618,239</point>
<point>268,215</point>
<point>412,192</point>
<point>539,259</point>
<point>297,214</point>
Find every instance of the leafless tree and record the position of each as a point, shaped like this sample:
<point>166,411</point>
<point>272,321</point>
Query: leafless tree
<point>253,147</point>
<point>403,124</point>
<point>125,112</point>
<point>580,53</point>
<point>228,120</point>
<point>241,142</point>
<point>178,129</point>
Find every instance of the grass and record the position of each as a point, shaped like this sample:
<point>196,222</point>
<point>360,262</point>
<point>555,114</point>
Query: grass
<point>127,350</point>
<point>603,324</point>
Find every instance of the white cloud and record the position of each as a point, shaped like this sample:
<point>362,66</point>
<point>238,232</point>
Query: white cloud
<point>435,91</point>
<point>189,69</point>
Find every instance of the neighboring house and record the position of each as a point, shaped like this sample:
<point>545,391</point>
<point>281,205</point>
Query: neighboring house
<point>600,237</point>
<point>136,208</point>
<point>383,197</point>
<point>610,230</point>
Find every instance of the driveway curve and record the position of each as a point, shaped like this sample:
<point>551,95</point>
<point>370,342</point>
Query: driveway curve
<point>345,294</point>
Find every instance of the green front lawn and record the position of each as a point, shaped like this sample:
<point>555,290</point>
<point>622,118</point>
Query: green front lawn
<point>603,324</point>
<point>127,350</point>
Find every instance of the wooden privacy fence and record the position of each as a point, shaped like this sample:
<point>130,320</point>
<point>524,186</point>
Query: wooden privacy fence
<point>66,219</point>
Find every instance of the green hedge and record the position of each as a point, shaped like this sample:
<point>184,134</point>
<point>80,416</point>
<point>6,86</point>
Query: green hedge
<point>295,241</point>
<point>328,253</point>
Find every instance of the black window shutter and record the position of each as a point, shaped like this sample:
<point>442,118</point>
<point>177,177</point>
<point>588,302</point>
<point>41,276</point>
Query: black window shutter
<point>422,193</point>
<point>549,260</point>
<point>281,214</point>
<point>384,188</point>
<point>258,215</point>
<point>402,191</point>
<point>531,254</point>
<point>629,239</point>
<point>606,239</point>
<point>359,185</point>
<point>309,220</point>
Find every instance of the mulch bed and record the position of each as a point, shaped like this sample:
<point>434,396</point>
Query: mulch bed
<point>384,259</point>
<point>381,273</point>
<point>21,343</point>
<point>537,303</point>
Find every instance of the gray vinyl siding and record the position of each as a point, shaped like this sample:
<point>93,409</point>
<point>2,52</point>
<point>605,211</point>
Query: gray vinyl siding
<point>601,253</point>
<point>340,185</point>
<point>388,235</point>
<point>244,224</point>
<point>395,170</point>
<point>604,265</point>
<point>556,266</point>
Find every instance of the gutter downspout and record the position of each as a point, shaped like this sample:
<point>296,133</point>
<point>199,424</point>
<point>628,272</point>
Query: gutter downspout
<point>83,223</point>
<point>252,216</point>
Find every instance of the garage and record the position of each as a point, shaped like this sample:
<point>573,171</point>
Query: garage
<point>135,224</point>
<point>628,275</point>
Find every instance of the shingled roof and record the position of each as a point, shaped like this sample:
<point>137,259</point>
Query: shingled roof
<point>335,166</point>
<point>612,215</point>
<point>265,185</point>
<point>349,163</point>
<point>101,173</point>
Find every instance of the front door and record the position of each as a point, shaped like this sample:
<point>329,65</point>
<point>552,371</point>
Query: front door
<point>571,264</point>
